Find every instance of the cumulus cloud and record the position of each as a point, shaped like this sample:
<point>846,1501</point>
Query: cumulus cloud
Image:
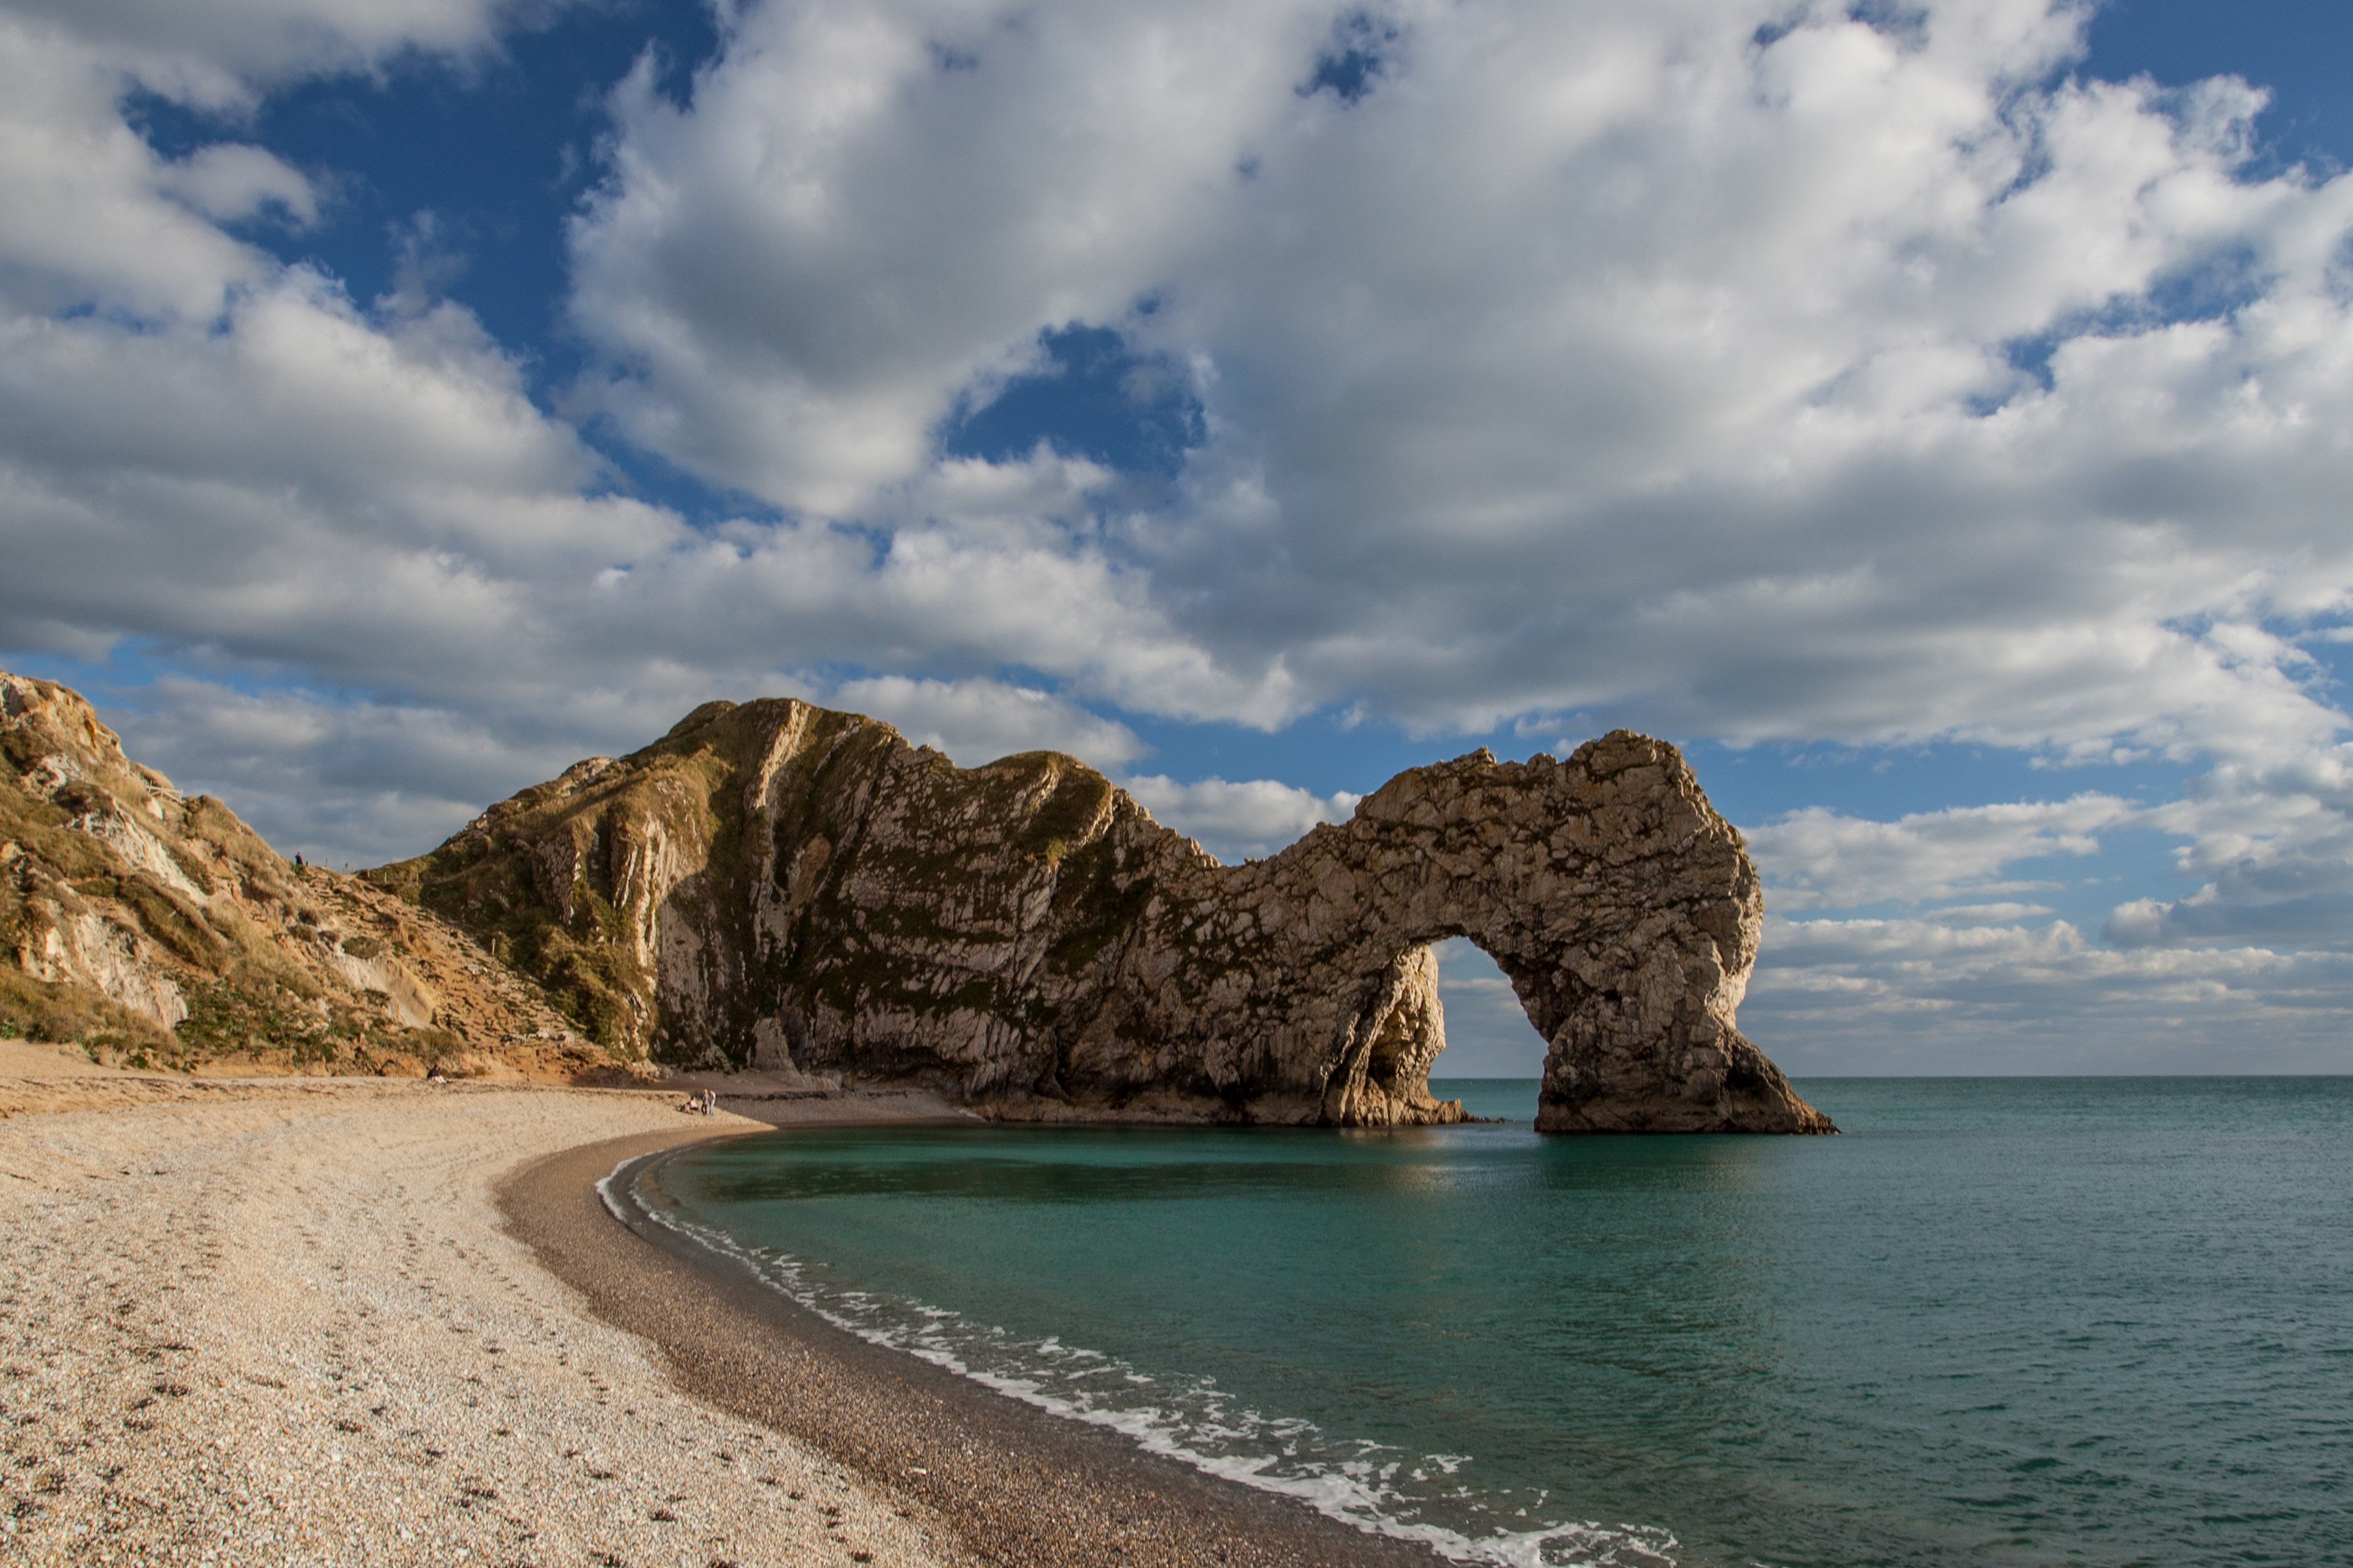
<point>360,782</point>
<point>228,460</point>
<point>939,183</point>
<point>1818,858</point>
<point>1595,356</point>
<point>2273,843</point>
<point>1236,820</point>
<point>1826,379</point>
<point>221,53</point>
<point>976,722</point>
<point>1870,996</point>
<point>1793,388</point>
<point>1604,359</point>
<point>2250,968</point>
<point>228,181</point>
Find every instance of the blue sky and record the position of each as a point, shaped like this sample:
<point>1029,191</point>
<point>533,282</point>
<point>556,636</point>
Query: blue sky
<point>1929,416</point>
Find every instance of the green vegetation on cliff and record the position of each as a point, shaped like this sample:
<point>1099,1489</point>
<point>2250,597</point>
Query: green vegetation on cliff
<point>159,930</point>
<point>742,808</point>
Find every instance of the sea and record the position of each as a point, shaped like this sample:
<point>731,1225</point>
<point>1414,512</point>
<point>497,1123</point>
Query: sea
<point>1996,1321</point>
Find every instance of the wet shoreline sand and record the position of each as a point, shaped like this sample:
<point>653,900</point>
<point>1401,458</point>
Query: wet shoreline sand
<point>1016,1485</point>
<point>336,1320</point>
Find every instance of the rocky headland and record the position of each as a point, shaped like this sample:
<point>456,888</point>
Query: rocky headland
<point>781,888</point>
<point>361,1321</point>
<point>155,930</point>
<point>778,885</point>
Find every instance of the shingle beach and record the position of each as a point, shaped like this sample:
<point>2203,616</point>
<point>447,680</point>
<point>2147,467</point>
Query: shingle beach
<point>291,1323</point>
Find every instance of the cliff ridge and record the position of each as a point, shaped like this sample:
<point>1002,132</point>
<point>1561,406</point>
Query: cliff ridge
<point>780,886</point>
<point>156,930</point>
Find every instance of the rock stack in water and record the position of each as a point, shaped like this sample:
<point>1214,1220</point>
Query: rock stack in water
<point>780,886</point>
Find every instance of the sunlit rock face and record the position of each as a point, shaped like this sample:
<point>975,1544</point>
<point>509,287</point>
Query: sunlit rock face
<point>1624,911</point>
<point>781,886</point>
<point>155,928</point>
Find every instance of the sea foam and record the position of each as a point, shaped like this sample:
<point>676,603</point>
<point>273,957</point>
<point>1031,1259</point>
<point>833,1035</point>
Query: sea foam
<point>1377,1488</point>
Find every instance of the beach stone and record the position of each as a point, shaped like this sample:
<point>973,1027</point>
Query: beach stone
<point>285,1322</point>
<point>782,884</point>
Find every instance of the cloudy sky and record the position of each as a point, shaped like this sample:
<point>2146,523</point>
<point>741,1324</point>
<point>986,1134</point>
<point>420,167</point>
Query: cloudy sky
<point>1938,417</point>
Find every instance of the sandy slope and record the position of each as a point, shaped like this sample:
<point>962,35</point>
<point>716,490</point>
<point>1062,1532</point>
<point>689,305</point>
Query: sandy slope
<point>280,1323</point>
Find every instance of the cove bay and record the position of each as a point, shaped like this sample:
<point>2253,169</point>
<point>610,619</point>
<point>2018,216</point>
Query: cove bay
<point>1998,1321</point>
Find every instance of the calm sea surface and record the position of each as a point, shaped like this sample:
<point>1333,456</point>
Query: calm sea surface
<point>2082,1320</point>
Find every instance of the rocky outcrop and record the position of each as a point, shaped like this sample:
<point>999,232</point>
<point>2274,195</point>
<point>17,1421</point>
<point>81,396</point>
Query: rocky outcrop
<point>155,927</point>
<point>782,886</point>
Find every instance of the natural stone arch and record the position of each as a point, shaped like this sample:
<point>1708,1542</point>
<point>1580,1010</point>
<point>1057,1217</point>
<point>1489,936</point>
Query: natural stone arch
<point>1621,906</point>
<point>780,884</point>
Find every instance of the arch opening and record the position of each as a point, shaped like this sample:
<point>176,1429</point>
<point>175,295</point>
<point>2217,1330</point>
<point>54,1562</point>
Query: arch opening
<point>1488,1031</point>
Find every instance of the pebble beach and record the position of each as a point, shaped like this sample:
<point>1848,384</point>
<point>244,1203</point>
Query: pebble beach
<point>282,1324</point>
<point>337,1321</point>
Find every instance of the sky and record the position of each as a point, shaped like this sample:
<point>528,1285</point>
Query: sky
<point>1936,418</point>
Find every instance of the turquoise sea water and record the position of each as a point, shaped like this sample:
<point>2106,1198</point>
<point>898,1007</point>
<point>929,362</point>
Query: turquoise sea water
<point>2092,1321</point>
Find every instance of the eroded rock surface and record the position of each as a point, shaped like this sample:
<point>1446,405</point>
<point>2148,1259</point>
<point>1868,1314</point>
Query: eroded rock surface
<point>781,886</point>
<point>154,927</point>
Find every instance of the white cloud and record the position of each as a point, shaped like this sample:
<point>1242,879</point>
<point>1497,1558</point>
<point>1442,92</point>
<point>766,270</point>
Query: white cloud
<point>939,183</point>
<point>1237,820</point>
<point>1816,858</point>
<point>217,54</point>
<point>227,181</point>
<point>204,450</point>
<point>976,722</point>
<point>230,461</point>
<point>344,781</point>
<point>1598,357</point>
<point>2273,843</point>
<point>1600,360</point>
<point>1986,914</point>
<point>80,221</point>
<point>1867,997</point>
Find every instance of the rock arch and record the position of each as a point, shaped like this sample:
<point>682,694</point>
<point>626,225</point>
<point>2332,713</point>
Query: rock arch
<point>1621,906</point>
<point>782,884</point>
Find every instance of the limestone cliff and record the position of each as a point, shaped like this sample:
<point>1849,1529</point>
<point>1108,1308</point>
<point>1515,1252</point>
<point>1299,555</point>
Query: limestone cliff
<point>157,929</point>
<point>782,886</point>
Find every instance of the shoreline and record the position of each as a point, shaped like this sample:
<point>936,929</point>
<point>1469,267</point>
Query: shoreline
<point>1016,1485</point>
<point>340,1320</point>
<point>281,1322</point>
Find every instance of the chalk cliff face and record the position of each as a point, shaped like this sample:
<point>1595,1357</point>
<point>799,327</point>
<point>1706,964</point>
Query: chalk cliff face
<point>782,886</point>
<point>156,928</point>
